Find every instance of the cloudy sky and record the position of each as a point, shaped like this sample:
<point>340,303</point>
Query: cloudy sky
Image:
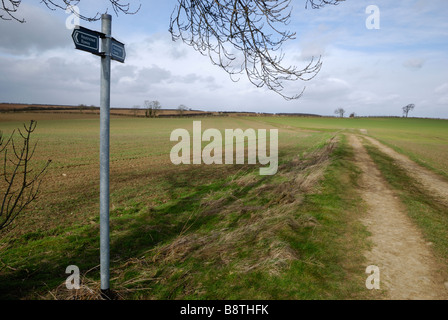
<point>366,71</point>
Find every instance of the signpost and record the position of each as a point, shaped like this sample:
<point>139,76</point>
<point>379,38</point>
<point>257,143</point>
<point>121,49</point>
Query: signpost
<point>89,40</point>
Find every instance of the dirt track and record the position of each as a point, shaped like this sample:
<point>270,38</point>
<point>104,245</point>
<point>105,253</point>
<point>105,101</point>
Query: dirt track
<point>408,269</point>
<point>431,181</point>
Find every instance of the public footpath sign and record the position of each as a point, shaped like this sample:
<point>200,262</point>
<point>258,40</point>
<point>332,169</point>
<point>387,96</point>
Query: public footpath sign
<point>89,40</point>
<point>118,52</point>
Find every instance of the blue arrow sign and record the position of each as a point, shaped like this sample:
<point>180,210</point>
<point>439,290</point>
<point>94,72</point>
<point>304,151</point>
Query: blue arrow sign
<point>87,40</point>
<point>117,52</point>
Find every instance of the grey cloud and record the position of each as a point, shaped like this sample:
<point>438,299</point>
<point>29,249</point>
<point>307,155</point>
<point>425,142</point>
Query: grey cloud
<point>47,81</point>
<point>193,77</point>
<point>190,78</point>
<point>54,71</point>
<point>40,32</point>
<point>131,79</point>
<point>178,53</point>
<point>120,71</point>
<point>153,75</point>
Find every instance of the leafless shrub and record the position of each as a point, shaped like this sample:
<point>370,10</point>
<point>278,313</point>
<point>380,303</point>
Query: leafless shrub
<point>20,185</point>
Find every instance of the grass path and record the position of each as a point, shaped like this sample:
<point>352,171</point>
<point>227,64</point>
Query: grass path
<point>408,268</point>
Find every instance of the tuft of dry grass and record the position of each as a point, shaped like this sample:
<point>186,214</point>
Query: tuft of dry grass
<point>88,290</point>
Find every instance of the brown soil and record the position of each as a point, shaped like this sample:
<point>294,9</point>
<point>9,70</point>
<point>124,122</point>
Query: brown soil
<point>408,269</point>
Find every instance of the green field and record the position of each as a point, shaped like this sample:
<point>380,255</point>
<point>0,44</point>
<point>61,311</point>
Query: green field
<point>423,140</point>
<point>202,231</point>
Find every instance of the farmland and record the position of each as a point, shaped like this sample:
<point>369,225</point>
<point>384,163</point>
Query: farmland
<point>210,231</point>
<point>424,140</point>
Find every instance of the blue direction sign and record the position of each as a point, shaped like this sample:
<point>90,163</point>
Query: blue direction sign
<point>117,51</point>
<point>87,40</point>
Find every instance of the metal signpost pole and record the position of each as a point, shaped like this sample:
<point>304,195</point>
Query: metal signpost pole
<point>106,26</point>
<point>111,49</point>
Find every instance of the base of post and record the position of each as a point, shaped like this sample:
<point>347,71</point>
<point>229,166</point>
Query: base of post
<point>107,294</point>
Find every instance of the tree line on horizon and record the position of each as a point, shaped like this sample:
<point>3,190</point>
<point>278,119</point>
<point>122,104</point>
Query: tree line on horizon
<point>406,109</point>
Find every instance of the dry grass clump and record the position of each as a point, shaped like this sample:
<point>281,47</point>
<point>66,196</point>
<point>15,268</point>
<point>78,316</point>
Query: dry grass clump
<point>88,290</point>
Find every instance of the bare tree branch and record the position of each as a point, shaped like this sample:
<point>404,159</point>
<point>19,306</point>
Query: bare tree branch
<point>10,7</point>
<point>243,36</point>
<point>117,5</point>
<point>316,4</point>
<point>20,187</point>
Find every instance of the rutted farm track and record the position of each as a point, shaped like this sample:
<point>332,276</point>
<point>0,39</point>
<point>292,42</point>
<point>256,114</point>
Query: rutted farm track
<point>407,265</point>
<point>431,181</point>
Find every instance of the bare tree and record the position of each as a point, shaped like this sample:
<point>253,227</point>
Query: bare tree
<point>152,108</point>
<point>407,108</point>
<point>20,186</point>
<point>240,36</point>
<point>340,112</point>
<point>182,108</point>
